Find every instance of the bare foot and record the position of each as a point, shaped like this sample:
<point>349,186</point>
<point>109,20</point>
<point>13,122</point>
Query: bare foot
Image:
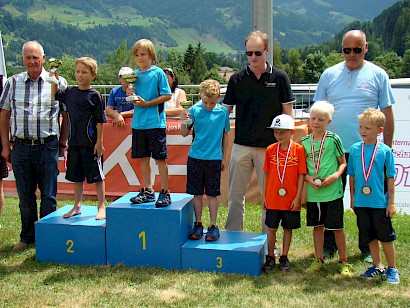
<point>73,212</point>
<point>101,213</point>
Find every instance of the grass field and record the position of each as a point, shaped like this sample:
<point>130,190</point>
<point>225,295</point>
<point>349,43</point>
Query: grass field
<point>24,282</point>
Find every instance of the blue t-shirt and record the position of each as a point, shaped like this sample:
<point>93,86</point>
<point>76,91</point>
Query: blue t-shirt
<point>85,108</point>
<point>209,128</point>
<point>150,84</point>
<point>117,100</point>
<point>384,160</point>
<point>351,93</point>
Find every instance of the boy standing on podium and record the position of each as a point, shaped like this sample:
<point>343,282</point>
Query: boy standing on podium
<point>284,170</point>
<point>207,155</point>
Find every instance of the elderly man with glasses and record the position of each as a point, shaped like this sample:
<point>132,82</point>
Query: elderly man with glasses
<point>259,92</point>
<point>351,87</point>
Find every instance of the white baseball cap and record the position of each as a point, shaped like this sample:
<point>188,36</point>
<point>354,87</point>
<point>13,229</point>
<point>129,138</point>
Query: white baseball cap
<point>283,121</point>
<point>125,70</point>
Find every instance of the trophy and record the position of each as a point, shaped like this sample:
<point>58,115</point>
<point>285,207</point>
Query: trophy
<point>186,105</point>
<point>130,79</point>
<point>54,65</point>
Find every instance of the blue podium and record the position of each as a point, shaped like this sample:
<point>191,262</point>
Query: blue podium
<point>233,252</point>
<point>142,235</point>
<point>76,240</point>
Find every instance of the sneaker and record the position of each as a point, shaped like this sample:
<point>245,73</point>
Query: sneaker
<point>284,264</point>
<point>392,275</point>
<point>197,231</point>
<point>345,269</point>
<point>270,264</point>
<point>213,234</point>
<point>367,257</point>
<point>164,198</point>
<point>316,266</point>
<point>144,196</point>
<point>372,272</point>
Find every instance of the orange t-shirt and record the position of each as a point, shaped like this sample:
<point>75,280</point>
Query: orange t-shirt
<point>296,165</point>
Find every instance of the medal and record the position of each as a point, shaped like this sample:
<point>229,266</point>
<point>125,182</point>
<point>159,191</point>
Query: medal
<point>317,181</point>
<point>282,191</point>
<point>366,190</point>
<point>316,165</point>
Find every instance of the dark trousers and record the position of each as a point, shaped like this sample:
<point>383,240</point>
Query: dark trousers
<point>330,244</point>
<point>35,166</point>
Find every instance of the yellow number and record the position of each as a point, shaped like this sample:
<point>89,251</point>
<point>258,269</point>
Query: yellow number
<point>144,243</point>
<point>70,244</point>
<point>219,265</point>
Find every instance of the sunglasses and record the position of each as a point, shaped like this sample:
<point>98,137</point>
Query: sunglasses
<point>257,53</point>
<point>356,50</point>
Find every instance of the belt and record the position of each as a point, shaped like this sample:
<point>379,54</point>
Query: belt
<point>36,141</point>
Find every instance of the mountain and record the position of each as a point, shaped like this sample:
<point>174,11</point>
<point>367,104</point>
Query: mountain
<point>96,27</point>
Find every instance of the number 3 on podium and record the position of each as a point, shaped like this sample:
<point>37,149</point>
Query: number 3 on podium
<point>219,264</point>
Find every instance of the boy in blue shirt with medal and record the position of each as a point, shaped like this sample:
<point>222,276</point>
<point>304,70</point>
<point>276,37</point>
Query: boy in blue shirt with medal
<point>207,155</point>
<point>371,166</point>
<point>325,163</point>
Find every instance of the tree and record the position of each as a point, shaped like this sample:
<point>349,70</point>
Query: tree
<point>391,63</point>
<point>199,70</point>
<point>294,66</point>
<point>189,58</point>
<point>334,58</point>
<point>213,73</point>
<point>405,69</point>
<point>313,66</point>
<point>277,58</point>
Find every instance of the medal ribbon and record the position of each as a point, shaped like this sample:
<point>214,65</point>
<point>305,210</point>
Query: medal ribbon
<point>319,158</point>
<point>367,174</point>
<point>282,177</point>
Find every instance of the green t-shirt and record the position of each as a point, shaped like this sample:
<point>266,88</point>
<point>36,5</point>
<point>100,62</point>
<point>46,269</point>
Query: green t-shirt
<point>332,149</point>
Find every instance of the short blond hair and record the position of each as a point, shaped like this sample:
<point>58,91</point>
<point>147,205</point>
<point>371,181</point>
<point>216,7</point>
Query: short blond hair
<point>89,62</point>
<point>322,108</point>
<point>145,45</point>
<point>258,34</point>
<point>374,116</point>
<point>209,88</point>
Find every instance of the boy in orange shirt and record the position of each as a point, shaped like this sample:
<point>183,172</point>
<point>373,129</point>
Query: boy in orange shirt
<point>284,170</point>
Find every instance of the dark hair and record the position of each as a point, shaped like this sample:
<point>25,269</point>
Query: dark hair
<point>172,74</point>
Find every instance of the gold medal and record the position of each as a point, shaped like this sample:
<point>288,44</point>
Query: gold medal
<point>366,190</point>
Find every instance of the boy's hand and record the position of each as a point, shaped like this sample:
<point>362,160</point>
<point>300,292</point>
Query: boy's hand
<point>352,204</point>
<point>99,149</point>
<point>391,210</point>
<point>327,181</point>
<point>140,102</point>
<point>118,120</point>
<point>184,115</point>
<point>310,180</point>
<point>295,206</point>
<point>264,204</point>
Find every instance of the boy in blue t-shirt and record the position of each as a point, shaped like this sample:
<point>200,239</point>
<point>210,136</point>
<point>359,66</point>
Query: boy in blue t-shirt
<point>149,122</point>
<point>207,155</point>
<point>371,164</point>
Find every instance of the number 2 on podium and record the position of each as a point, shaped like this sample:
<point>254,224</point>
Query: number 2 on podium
<point>70,244</point>
<point>144,242</point>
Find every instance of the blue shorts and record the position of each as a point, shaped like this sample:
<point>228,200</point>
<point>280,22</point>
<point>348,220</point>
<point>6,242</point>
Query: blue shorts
<point>83,163</point>
<point>328,214</point>
<point>374,225</point>
<point>149,143</point>
<point>203,176</point>
<point>290,219</point>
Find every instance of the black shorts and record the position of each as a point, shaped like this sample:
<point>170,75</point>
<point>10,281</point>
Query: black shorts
<point>374,225</point>
<point>328,214</point>
<point>290,219</point>
<point>4,170</point>
<point>203,176</point>
<point>149,143</point>
<point>83,163</point>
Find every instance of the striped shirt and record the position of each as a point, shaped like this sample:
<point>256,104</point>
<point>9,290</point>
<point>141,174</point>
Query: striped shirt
<point>33,114</point>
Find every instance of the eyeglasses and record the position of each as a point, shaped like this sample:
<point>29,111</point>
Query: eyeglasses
<point>257,53</point>
<point>356,50</point>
